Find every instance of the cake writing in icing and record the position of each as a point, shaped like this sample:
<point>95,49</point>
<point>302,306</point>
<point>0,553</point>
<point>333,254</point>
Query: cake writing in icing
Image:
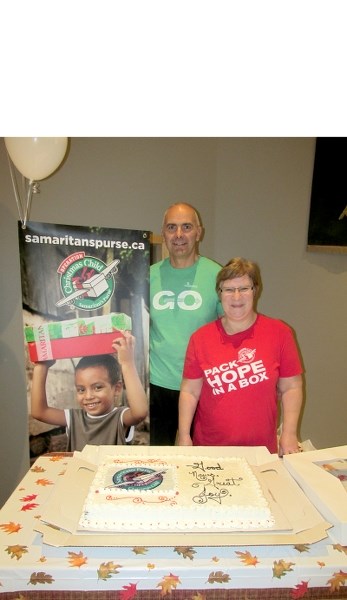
<point>211,478</point>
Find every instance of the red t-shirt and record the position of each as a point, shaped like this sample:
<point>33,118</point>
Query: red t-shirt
<point>238,401</point>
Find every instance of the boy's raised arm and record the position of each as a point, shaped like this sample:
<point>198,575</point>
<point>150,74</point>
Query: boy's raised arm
<point>39,407</point>
<point>136,396</point>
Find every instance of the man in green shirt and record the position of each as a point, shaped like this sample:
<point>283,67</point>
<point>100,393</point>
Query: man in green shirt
<point>182,298</point>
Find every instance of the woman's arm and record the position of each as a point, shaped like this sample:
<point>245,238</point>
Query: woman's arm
<point>290,389</point>
<point>188,401</point>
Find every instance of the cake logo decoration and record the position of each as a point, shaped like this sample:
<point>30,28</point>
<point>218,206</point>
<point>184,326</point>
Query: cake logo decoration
<point>137,478</point>
<point>86,282</point>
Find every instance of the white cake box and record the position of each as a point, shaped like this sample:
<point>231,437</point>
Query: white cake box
<point>317,474</point>
<point>297,520</point>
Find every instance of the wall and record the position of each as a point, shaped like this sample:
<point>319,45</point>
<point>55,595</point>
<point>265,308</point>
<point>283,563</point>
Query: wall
<point>254,197</point>
<point>263,191</point>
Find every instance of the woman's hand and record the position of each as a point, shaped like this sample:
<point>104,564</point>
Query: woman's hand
<point>184,440</point>
<point>288,444</point>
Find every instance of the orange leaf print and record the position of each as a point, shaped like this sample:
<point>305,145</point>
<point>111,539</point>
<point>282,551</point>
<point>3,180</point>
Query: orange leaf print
<point>57,457</point>
<point>44,482</point>
<point>107,569</point>
<point>185,551</point>
<point>218,577</point>
<point>302,547</point>
<point>40,577</point>
<point>140,549</point>
<point>150,566</point>
<point>340,548</point>
<point>320,564</point>
<point>248,559</point>
<point>77,560</point>
<point>338,580</point>
<point>281,567</point>
<point>328,467</point>
<point>167,583</point>
<point>37,469</point>
<point>17,551</point>
<point>10,527</point>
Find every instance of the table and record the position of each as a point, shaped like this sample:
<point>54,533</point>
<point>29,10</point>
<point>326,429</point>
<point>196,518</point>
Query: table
<point>31,569</point>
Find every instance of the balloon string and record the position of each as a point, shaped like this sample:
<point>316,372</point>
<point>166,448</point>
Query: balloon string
<point>27,191</point>
<point>15,189</point>
<point>28,205</point>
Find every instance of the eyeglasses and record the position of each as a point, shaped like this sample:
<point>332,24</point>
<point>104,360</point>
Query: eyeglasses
<point>242,290</point>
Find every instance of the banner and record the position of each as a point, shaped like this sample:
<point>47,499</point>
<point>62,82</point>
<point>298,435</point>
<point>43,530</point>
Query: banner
<point>81,287</point>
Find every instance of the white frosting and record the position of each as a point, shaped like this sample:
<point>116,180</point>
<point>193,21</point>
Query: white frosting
<point>176,493</point>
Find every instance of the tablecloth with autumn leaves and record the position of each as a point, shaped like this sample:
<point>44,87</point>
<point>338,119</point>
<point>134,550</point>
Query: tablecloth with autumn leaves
<point>31,569</point>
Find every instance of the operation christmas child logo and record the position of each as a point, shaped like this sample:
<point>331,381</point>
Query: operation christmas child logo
<point>86,281</point>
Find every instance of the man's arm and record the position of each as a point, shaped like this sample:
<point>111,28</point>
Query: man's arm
<point>290,389</point>
<point>39,407</point>
<point>188,401</point>
<point>136,396</point>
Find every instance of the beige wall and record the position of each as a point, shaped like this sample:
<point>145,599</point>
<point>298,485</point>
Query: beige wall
<point>253,195</point>
<point>262,208</point>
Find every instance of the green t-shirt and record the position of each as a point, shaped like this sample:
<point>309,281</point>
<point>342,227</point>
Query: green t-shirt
<point>181,301</point>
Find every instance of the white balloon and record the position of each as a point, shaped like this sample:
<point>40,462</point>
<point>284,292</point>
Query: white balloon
<point>36,157</point>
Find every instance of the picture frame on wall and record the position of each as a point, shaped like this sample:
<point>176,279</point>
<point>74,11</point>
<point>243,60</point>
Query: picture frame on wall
<point>327,230</point>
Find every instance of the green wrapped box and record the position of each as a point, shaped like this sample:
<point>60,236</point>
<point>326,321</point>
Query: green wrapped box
<point>80,327</point>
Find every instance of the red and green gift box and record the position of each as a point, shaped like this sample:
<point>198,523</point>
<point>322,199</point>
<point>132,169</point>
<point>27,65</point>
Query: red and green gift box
<point>75,337</point>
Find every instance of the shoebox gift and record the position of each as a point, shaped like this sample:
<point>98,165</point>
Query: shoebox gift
<point>75,337</point>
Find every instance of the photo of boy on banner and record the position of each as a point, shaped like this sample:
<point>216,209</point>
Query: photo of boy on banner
<point>83,288</point>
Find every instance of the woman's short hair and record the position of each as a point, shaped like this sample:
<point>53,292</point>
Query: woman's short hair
<point>237,267</point>
<point>108,361</point>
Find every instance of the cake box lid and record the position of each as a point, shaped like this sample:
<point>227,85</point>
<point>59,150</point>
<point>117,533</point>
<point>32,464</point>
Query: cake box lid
<point>59,521</point>
<point>322,474</point>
